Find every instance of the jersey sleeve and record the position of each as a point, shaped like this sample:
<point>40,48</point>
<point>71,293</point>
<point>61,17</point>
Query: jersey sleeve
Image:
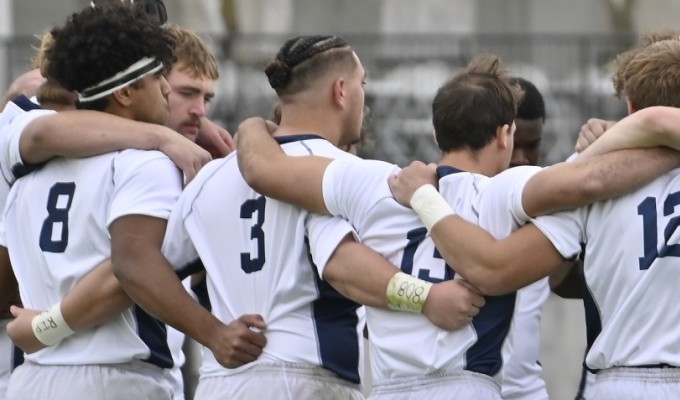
<point>178,247</point>
<point>324,234</point>
<point>350,192</point>
<point>146,183</point>
<point>500,202</point>
<point>566,230</point>
<point>12,124</point>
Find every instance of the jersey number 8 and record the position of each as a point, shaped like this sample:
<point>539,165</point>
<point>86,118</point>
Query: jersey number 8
<point>58,205</point>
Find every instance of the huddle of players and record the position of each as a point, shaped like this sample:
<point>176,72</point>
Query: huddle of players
<point>280,279</point>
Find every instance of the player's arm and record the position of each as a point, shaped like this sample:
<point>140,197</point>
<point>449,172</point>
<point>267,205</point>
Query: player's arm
<point>95,299</point>
<point>151,282</point>
<point>567,281</point>
<point>495,266</point>
<point>8,282</point>
<point>85,133</point>
<point>570,185</point>
<point>26,84</point>
<point>268,170</point>
<point>363,275</point>
<point>649,127</point>
<point>215,139</point>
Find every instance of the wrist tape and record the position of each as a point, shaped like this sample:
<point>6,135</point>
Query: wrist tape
<point>407,293</point>
<point>430,206</point>
<point>50,327</point>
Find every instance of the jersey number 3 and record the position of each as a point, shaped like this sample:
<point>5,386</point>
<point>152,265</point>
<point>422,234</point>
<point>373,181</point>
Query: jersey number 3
<point>250,207</point>
<point>54,232</point>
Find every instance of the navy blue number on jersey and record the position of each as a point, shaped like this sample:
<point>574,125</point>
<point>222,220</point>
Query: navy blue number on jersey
<point>58,205</point>
<point>415,238</point>
<point>250,207</point>
<point>647,209</point>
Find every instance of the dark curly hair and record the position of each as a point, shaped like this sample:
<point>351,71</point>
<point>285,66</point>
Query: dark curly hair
<point>303,58</point>
<point>97,43</point>
<point>532,105</point>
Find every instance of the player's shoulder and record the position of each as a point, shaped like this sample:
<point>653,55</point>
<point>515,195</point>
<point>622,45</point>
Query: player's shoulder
<point>15,117</point>
<point>218,171</point>
<point>310,144</point>
<point>143,163</point>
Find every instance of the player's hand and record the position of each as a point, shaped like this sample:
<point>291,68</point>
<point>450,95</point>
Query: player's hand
<point>239,342</point>
<point>187,155</point>
<point>452,304</point>
<point>21,331</point>
<point>26,84</point>
<point>254,125</point>
<point>214,139</point>
<point>409,179</point>
<point>590,131</point>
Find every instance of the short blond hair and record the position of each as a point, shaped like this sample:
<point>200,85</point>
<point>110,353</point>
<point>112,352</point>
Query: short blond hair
<point>192,54</point>
<point>652,77</point>
<point>620,64</point>
<point>50,92</point>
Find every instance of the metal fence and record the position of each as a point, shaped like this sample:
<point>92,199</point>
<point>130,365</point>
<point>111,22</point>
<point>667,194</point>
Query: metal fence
<point>404,73</point>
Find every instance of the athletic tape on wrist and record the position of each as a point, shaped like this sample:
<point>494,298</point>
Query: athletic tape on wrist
<point>430,206</point>
<point>50,327</point>
<point>407,293</point>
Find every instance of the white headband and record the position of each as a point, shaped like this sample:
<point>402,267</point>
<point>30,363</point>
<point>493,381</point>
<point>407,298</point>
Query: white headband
<point>130,75</point>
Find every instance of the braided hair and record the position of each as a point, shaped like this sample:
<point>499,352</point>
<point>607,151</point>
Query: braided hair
<point>302,59</point>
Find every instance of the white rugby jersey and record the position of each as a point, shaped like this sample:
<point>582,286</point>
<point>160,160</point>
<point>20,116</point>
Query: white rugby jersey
<point>500,204</point>
<point>405,344</point>
<point>256,252</point>
<point>630,267</point>
<point>522,379</point>
<point>13,119</point>
<point>56,230</point>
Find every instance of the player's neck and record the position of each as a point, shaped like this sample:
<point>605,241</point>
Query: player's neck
<point>481,162</point>
<point>321,124</point>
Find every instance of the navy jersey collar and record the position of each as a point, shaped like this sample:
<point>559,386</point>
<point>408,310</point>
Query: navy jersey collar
<point>444,170</point>
<point>296,138</point>
<point>24,103</point>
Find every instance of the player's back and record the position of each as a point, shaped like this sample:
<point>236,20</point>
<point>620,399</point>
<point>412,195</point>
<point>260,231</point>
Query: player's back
<point>631,257</point>
<point>56,230</point>
<point>256,252</point>
<point>501,212</point>
<point>359,192</point>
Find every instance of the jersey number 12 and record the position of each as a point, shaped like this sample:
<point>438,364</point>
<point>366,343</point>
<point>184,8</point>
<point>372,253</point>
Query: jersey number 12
<point>647,209</point>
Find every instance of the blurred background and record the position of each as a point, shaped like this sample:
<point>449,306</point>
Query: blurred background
<point>409,48</point>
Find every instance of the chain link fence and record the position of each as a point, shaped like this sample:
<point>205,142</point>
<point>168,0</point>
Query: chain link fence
<point>404,72</point>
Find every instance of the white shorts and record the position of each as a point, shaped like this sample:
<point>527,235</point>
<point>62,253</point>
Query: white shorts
<point>637,383</point>
<point>6,357</point>
<point>439,385</point>
<point>133,380</point>
<point>278,381</point>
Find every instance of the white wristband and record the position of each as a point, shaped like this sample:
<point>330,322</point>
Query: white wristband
<point>50,327</point>
<point>430,206</point>
<point>407,293</point>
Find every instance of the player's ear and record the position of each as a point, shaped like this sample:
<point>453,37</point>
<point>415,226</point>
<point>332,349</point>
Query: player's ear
<point>503,136</point>
<point>123,96</point>
<point>339,92</point>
